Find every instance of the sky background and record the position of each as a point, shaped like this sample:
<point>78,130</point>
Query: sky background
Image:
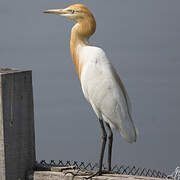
<point>140,38</point>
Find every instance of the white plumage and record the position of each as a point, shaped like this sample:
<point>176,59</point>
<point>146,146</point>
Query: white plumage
<point>103,92</point>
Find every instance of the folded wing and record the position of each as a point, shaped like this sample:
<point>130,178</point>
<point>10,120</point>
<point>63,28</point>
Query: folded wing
<point>106,93</point>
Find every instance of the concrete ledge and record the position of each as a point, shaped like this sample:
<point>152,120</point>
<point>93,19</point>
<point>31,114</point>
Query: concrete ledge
<point>49,175</point>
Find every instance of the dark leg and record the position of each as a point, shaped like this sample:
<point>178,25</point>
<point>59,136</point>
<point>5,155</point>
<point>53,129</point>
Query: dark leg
<point>110,137</point>
<point>104,138</point>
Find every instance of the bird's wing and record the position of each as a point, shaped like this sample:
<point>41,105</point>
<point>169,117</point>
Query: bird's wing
<point>104,90</point>
<point>123,89</point>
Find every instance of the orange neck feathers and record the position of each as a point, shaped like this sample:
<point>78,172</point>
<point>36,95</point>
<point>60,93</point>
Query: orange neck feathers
<point>80,35</point>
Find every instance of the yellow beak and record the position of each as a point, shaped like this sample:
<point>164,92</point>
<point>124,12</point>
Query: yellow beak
<point>56,11</point>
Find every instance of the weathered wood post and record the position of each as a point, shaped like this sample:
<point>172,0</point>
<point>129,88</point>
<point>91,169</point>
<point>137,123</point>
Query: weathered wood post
<point>17,140</point>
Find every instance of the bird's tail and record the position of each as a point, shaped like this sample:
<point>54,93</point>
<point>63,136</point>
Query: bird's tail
<point>125,125</point>
<point>128,130</point>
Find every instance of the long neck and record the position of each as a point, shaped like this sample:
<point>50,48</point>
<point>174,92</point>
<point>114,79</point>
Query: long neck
<point>80,35</point>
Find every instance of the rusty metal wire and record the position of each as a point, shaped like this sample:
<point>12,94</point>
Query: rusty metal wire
<point>123,169</point>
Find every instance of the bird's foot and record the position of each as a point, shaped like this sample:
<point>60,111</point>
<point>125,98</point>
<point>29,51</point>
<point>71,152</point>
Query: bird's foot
<point>75,173</point>
<point>98,173</point>
<point>86,174</point>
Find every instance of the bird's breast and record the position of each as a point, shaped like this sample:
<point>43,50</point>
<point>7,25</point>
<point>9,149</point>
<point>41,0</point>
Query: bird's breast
<point>94,71</point>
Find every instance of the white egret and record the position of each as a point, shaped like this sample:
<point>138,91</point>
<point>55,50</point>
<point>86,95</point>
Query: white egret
<point>99,80</point>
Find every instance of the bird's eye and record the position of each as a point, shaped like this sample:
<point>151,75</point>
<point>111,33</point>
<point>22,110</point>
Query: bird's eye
<point>73,11</point>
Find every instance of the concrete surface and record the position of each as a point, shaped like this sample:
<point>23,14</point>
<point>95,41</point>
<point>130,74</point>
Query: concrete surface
<point>49,175</point>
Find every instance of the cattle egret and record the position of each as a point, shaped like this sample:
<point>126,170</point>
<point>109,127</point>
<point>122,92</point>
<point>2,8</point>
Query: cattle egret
<point>99,80</point>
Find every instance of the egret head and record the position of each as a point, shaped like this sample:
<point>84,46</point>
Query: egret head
<point>75,12</point>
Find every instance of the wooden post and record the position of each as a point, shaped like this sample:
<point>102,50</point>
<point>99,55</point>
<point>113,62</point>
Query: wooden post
<point>17,139</point>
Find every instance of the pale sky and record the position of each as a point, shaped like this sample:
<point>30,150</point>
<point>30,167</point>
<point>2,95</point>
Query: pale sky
<point>140,38</point>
